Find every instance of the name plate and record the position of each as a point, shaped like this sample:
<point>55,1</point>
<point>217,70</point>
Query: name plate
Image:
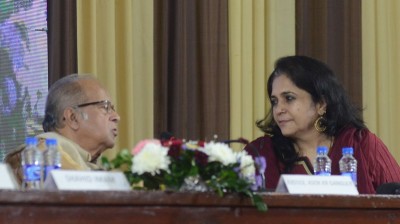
<point>7,178</point>
<point>71,180</point>
<point>311,184</point>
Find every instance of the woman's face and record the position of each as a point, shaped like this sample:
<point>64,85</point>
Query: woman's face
<point>293,109</point>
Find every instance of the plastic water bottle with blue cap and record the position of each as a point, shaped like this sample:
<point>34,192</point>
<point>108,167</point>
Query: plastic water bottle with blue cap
<point>348,164</point>
<point>32,164</point>
<point>322,163</point>
<point>52,157</point>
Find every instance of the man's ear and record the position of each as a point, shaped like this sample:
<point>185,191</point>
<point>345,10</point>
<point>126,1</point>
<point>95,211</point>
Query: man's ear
<point>71,118</point>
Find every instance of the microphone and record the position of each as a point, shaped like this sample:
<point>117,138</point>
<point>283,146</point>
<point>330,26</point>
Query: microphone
<point>239,140</point>
<point>389,188</point>
<point>256,152</point>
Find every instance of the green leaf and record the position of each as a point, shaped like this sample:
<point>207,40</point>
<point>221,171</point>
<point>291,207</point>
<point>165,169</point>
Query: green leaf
<point>259,203</point>
<point>106,163</point>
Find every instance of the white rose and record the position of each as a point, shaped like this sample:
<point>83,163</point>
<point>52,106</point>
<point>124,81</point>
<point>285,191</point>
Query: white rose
<point>247,168</point>
<point>152,158</point>
<point>219,152</point>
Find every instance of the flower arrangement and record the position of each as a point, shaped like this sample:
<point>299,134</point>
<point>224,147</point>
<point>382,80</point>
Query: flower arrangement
<point>188,166</point>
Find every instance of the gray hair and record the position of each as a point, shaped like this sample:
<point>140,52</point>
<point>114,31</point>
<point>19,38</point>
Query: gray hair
<point>65,92</point>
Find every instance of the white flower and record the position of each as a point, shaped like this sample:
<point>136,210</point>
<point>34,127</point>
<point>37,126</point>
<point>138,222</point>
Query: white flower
<point>247,168</point>
<point>219,152</point>
<point>152,158</point>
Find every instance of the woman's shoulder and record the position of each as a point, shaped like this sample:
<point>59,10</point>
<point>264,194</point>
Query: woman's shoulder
<point>262,140</point>
<point>359,138</point>
<point>261,145</point>
<point>356,134</point>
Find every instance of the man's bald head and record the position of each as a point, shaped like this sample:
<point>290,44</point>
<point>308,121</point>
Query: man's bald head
<point>65,92</point>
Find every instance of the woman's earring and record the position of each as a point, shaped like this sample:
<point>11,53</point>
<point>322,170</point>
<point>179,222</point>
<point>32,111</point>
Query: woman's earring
<point>319,124</point>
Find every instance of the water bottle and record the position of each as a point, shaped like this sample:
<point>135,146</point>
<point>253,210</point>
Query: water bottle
<point>32,164</point>
<point>51,156</point>
<point>348,164</point>
<point>322,163</point>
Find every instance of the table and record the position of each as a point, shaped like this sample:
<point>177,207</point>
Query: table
<point>175,207</point>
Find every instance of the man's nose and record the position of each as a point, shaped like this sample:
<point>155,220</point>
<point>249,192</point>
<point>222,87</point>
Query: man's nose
<point>115,117</point>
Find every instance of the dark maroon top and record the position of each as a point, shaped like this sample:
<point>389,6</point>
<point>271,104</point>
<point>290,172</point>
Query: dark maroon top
<point>375,164</point>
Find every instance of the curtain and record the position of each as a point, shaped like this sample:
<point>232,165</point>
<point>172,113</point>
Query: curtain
<point>62,41</point>
<point>115,43</point>
<point>259,33</point>
<point>381,57</point>
<point>191,69</point>
<point>330,30</point>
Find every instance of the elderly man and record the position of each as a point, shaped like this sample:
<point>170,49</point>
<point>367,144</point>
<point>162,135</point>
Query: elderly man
<point>80,115</point>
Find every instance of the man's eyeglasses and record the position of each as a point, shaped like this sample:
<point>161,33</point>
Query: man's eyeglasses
<point>105,104</point>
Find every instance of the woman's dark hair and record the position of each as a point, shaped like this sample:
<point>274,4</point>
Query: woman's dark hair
<point>320,82</point>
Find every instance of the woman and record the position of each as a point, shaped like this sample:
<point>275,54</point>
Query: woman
<point>310,109</point>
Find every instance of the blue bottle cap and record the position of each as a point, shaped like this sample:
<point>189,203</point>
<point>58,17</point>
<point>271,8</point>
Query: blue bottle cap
<point>347,150</point>
<point>322,149</point>
<point>51,141</point>
<point>31,141</point>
